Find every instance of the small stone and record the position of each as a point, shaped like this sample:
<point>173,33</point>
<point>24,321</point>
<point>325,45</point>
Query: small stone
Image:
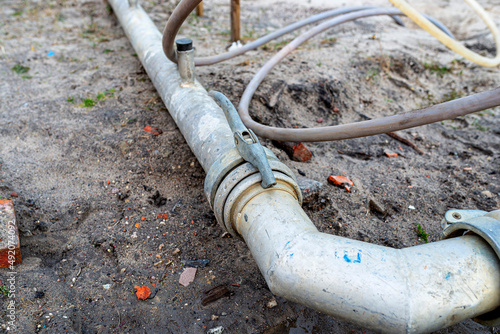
<point>187,276</point>
<point>319,120</point>
<point>272,303</point>
<point>158,256</point>
<point>488,194</point>
<point>39,294</point>
<point>308,186</point>
<point>107,286</point>
<point>13,194</point>
<point>161,246</point>
<point>376,207</point>
<point>411,207</point>
<point>124,147</point>
<point>214,317</point>
<point>216,330</point>
<point>176,251</point>
<point>43,226</point>
<point>196,263</point>
<point>115,191</point>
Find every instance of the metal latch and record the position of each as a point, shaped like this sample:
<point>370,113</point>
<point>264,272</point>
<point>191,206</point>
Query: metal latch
<point>246,141</point>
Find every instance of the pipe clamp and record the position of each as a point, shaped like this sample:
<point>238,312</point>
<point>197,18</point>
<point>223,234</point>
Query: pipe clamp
<point>487,226</point>
<point>246,141</point>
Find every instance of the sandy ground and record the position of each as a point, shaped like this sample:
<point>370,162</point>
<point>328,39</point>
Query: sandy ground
<point>90,182</point>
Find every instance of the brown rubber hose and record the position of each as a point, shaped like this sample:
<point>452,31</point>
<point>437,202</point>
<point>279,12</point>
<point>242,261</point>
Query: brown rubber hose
<point>182,11</point>
<point>407,120</point>
<point>411,119</point>
<point>179,15</point>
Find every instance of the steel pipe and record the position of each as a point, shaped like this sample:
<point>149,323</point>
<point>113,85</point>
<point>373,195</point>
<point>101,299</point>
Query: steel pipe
<point>199,118</point>
<point>412,290</point>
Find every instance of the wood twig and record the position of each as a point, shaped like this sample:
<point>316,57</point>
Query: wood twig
<point>393,135</point>
<point>235,21</point>
<point>199,9</point>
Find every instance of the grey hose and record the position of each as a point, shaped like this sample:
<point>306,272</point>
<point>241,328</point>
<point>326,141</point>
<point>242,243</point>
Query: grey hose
<point>407,120</point>
<point>185,7</point>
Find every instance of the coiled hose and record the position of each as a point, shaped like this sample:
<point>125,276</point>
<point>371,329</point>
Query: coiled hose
<point>185,7</point>
<point>407,120</point>
<point>403,121</point>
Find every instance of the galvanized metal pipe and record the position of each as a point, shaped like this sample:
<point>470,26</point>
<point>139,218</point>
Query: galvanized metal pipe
<point>199,118</point>
<point>412,290</point>
<point>416,289</point>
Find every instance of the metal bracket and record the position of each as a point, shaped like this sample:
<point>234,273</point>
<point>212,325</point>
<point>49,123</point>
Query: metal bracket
<point>245,140</point>
<point>455,216</point>
<point>484,224</point>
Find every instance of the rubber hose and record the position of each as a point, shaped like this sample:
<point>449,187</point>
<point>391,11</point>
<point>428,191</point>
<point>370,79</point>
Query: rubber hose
<point>185,7</point>
<point>407,120</point>
<point>425,24</point>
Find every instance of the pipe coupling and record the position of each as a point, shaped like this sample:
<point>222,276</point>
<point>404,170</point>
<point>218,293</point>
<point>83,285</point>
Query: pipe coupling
<point>487,226</point>
<point>231,182</point>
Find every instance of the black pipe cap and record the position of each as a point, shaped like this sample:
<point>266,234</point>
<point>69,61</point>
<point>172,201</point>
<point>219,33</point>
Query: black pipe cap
<point>184,44</point>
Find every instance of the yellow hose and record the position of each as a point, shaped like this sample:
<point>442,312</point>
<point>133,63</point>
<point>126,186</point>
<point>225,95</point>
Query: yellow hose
<point>425,24</point>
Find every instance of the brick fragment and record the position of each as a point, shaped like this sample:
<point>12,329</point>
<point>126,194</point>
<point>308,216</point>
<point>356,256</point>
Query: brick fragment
<point>297,151</point>
<point>10,250</point>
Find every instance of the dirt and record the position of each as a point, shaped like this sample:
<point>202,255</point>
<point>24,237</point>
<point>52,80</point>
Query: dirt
<point>91,182</point>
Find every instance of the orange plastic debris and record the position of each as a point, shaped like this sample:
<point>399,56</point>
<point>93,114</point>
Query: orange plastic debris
<point>143,218</point>
<point>136,225</point>
<point>391,154</point>
<point>162,216</point>
<point>143,292</point>
<point>341,181</point>
<point>153,130</point>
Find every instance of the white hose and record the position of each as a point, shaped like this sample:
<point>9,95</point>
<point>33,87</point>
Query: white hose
<point>425,24</point>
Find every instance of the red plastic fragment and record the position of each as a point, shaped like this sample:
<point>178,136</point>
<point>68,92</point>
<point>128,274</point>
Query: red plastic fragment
<point>153,130</point>
<point>391,154</point>
<point>143,292</point>
<point>341,181</point>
